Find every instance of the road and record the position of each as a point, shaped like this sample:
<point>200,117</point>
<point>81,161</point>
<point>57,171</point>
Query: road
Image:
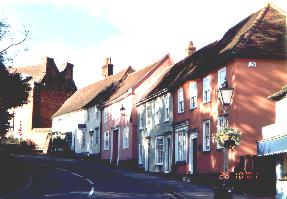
<point>82,179</point>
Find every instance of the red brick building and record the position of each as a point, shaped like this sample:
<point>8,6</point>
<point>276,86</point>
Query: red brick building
<point>249,56</point>
<point>50,89</point>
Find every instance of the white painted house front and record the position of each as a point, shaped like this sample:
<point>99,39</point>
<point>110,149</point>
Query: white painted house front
<point>80,128</point>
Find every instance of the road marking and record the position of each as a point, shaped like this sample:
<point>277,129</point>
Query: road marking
<point>92,191</point>
<point>90,181</point>
<point>62,169</point>
<point>77,175</point>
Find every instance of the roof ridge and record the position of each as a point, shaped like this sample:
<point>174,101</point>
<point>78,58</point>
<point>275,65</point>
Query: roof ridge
<point>252,27</point>
<point>279,9</point>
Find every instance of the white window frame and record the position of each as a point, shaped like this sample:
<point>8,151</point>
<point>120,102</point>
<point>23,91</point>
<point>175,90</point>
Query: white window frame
<point>105,115</point>
<point>157,112</point>
<point>83,138</point>
<point>141,153</point>
<point>166,107</point>
<point>159,154</point>
<point>148,114</point>
<point>206,89</point>
<point>193,95</point>
<point>106,141</point>
<point>206,139</point>
<point>141,117</point>
<point>181,146</point>
<point>126,138</point>
<point>221,76</point>
<point>221,121</point>
<point>180,97</point>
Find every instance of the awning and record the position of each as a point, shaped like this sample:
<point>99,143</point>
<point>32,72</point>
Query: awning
<point>273,146</point>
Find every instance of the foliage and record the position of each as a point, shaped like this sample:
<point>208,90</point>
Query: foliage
<point>226,133</point>
<point>9,140</point>
<point>14,90</point>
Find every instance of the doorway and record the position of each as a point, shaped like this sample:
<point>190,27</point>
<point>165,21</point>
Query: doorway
<point>192,153</point>
<point>168,155</point>
<point>115,147</point>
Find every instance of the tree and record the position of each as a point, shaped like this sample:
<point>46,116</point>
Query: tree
<point>14,90</point>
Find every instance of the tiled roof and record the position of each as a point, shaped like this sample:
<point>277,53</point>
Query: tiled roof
<point>132,79</point>
<point>37,71</point>
<point>85,96</point>
<point>280,94</point>
<point>260,35</point>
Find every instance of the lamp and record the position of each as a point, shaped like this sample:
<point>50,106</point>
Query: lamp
<point>225,95</point>
<point>123,110</point>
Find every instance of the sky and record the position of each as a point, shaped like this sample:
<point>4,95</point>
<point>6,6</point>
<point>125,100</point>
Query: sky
<point>132,32</point>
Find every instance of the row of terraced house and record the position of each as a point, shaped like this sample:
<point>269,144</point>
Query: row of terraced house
<point>164,117</point>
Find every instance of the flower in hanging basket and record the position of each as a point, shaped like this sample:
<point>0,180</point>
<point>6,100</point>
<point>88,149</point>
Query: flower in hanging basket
<point>228,137</point>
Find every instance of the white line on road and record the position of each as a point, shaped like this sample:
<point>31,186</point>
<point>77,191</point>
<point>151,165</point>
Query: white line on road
<point>92,191</point>
<point>62,169</point>
<point>90,181</point>
<point>77,175</point>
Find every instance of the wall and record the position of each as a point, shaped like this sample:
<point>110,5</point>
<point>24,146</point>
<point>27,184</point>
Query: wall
<point>250,109</point>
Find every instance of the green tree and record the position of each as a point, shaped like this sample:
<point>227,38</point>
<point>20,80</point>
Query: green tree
<point>14,89</point>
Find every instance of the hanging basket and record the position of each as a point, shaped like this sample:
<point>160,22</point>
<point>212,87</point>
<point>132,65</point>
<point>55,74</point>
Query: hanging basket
<point>228,137</point>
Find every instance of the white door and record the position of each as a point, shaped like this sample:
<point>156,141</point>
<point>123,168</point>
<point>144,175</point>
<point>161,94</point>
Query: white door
<point>167,161</point>
<point>190,152</point>
<point>146,155</point>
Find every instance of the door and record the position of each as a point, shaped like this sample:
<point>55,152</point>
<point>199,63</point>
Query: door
<point>192,154</point>
<point>115,146</point>
<point>168,155</point>
<point>146,155</point>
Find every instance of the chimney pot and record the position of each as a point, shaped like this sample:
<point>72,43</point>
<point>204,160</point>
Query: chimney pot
<point>190,49</point>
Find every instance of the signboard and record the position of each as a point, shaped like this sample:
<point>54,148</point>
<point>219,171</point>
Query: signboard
<point>82,126</point>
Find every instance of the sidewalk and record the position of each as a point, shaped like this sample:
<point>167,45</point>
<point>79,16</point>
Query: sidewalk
<point>175,187</point>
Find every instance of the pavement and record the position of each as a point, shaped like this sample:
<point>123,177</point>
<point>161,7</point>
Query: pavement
<point>176,187</point>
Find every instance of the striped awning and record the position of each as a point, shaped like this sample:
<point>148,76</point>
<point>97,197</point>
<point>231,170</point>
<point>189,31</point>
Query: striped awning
<point>272,146</point>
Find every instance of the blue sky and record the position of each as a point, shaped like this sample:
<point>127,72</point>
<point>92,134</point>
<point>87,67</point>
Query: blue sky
<point>133,33</point>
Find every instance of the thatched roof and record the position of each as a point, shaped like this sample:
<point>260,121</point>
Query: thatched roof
<point>93,93</point>
<point>260,35</point>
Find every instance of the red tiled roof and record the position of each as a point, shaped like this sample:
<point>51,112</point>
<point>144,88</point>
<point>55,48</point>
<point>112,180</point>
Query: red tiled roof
<point>133,78</point>
<point>260,35</point>
<point>83,97</point>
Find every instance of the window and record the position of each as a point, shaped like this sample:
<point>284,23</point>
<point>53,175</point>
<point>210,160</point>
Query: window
<point>159,150</point>
<point>166,107</point>
<point>88,114</point>
<point>193,95</point>
<point>221,76</point>
<point>106,141</point>
<point>157,112</point>
<point>126,138</point>
<point>206,135</point>
<point>180,101</point>
<point>96,113</point>
<point>221,121</point>
<point>97,137</point>
<point>180,146</point>
<point>149,113</point>
<point>83,138</point>
<point>206,89</point>
<point>141,153</point>
<point>105,115</point>
<point>141,117</point>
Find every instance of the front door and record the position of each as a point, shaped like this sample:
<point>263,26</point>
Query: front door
<point>192,154</point>
<point>146,155</point>
<point>115,146</point>
<point>168,155</point>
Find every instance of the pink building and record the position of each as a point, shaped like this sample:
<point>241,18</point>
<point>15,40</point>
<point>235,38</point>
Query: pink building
<point>118,130</point>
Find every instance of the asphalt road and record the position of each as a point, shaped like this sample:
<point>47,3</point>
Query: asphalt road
<point>80,179</point>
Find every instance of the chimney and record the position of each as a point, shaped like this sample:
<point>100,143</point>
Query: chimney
<point>190,49</point>
<point>107,69</point>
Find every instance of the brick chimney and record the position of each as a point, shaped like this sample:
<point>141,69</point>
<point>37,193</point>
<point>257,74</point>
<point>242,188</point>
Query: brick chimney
<point>190,49</point>
<point>107,69</point>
